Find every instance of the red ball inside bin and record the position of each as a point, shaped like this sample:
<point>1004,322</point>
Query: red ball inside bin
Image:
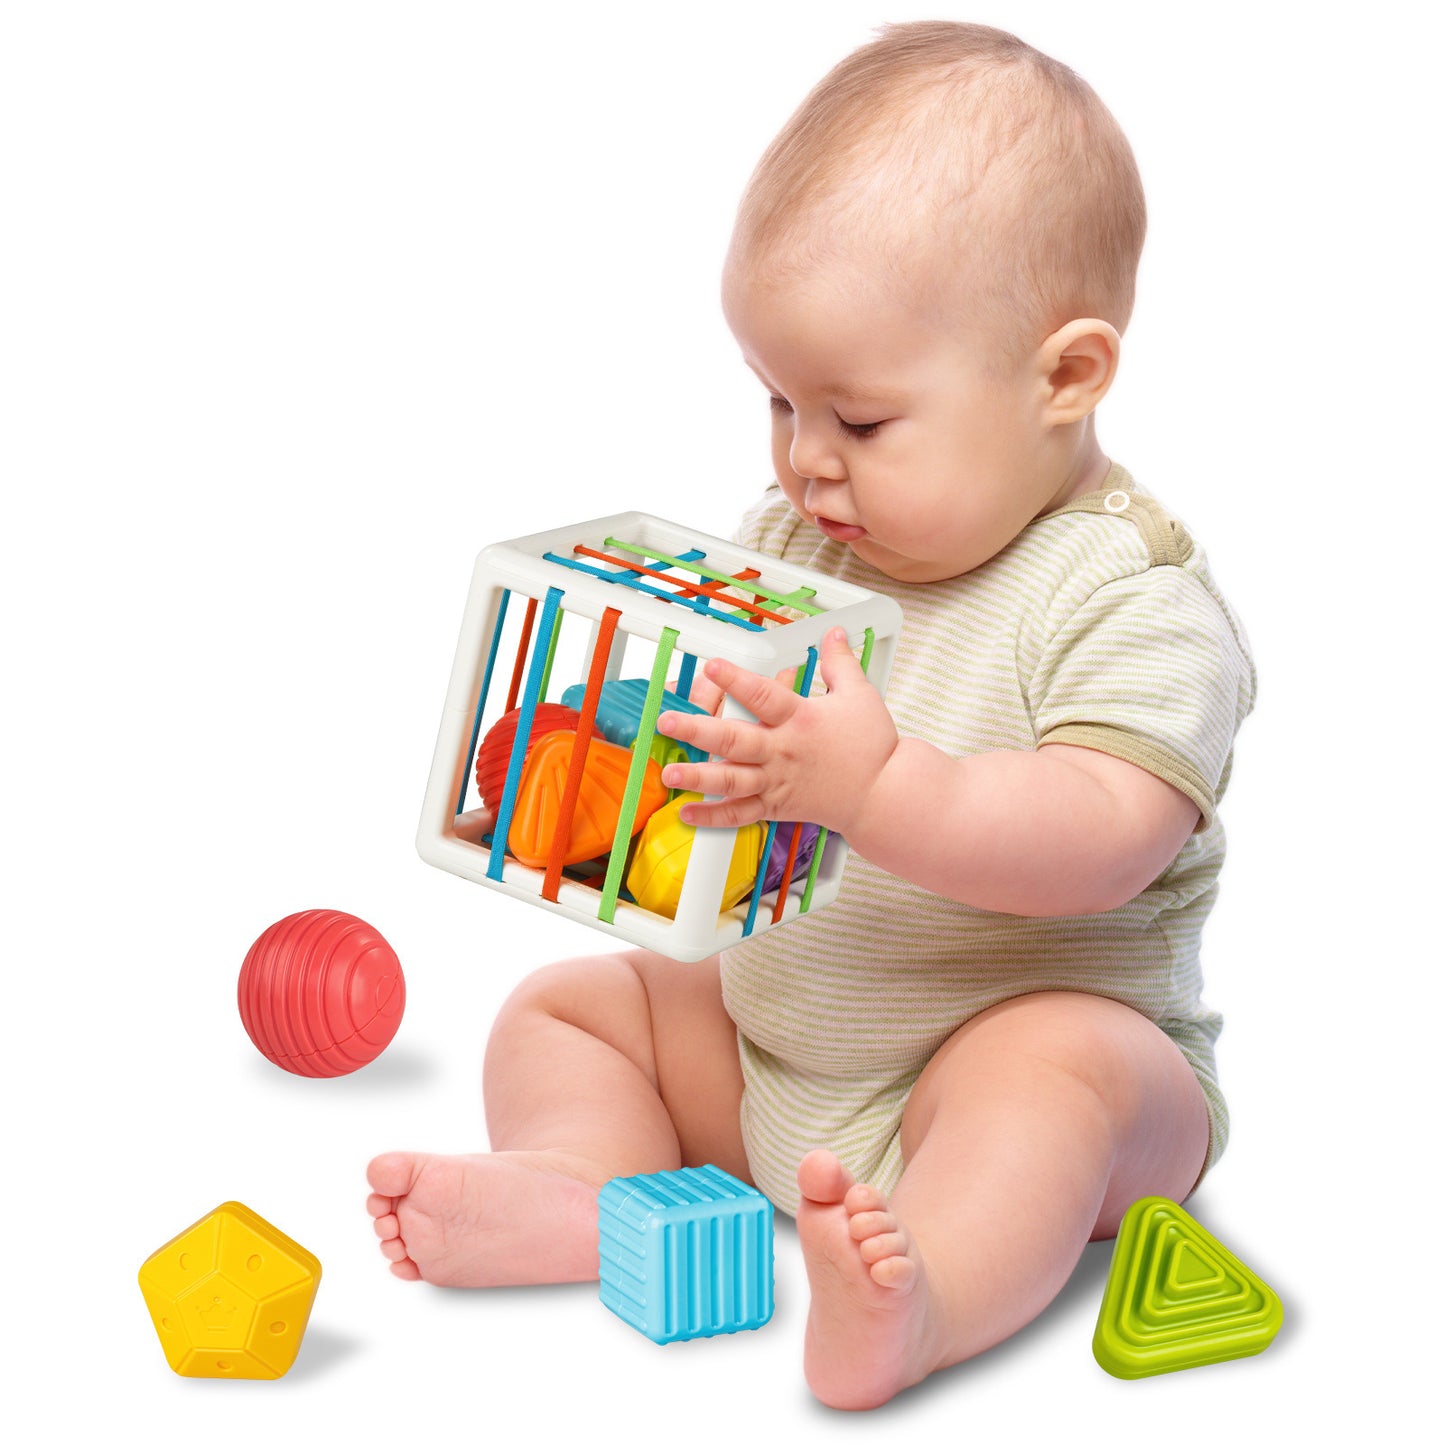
<point>495,753</point>
<point>321,993</point>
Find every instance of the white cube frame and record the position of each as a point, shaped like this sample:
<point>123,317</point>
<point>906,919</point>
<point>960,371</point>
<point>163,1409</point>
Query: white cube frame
<point>693,597</point>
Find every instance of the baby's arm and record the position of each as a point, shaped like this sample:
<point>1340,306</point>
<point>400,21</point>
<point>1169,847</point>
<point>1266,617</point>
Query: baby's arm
<point>1059,831</point>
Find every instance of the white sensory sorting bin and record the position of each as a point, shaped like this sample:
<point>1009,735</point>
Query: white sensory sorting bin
<point>631,596</point>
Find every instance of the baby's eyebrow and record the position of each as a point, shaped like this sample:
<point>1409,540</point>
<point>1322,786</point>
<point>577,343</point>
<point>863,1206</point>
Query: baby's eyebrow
<point>861,395</point>
<point>844,391</point>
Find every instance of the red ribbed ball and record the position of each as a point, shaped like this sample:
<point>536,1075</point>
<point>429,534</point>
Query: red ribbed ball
<point>321,993</point>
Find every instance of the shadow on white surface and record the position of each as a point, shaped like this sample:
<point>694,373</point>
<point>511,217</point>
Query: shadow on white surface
<point>394,1069</point>
<point>322,1352</point>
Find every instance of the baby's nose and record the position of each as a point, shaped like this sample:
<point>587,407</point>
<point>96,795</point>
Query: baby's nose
<point>813,459</point>
<point>821,497</point>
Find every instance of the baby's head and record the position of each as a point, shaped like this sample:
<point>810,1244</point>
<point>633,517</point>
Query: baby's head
<point>949,190</point>
<point>970,171</point>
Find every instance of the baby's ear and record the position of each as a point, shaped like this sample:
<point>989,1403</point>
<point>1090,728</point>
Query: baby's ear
<point>1078,362</point>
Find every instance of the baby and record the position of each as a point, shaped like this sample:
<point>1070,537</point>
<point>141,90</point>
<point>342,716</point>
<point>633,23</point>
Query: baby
<point>993,1042</point>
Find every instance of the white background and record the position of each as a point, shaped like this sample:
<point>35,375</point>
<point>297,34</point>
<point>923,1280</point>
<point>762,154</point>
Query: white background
<point>302,304</point>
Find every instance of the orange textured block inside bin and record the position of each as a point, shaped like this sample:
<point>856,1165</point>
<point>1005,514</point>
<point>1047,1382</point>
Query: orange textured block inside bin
<point>599,803</point>
<point>496,749</point>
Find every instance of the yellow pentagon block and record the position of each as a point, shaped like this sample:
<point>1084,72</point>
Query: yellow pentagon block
<point>230,1296</point>
<point>659,862</point>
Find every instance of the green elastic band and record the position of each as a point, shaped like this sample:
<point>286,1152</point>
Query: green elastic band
<point>551,653</point>
<point>641,748</point>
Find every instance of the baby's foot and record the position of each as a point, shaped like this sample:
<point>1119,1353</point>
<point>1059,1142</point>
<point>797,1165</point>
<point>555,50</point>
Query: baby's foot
<point>486,1219</point>
<point>868,1333</point>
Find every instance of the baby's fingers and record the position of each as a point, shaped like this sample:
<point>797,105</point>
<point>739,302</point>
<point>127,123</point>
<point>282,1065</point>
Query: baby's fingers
<point>839,667</point>
<point>725,813</point>
<point>768,701</point>
<point>705,693</point>
<point>724,779</point>
<point>728,737</point>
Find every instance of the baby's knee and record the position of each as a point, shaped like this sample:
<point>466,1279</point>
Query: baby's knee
<point>1125,1060</point>
<point>575,991</point>
<point>1112,1051</point>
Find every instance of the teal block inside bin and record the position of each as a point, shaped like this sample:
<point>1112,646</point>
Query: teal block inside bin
<point>685,1253</point>
<point>619,715</point>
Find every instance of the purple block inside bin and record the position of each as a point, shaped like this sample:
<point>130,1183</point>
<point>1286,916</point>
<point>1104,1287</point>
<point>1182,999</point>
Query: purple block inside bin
<point>778,858</point>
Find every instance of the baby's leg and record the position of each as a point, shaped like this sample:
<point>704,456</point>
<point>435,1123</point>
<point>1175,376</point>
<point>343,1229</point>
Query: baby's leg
<point>596,1067</point>
<point>1030,1132</point>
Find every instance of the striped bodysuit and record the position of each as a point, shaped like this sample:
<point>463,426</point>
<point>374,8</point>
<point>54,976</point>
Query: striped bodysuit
<point>1100,626</point>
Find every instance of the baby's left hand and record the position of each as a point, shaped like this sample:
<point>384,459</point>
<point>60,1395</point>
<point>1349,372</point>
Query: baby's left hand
<point>810,760</point>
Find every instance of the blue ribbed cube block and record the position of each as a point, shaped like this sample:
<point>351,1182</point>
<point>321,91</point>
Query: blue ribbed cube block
<point>686,1253</point>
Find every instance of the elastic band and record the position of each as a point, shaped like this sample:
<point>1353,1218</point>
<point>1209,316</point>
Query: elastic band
<point>685,675</point>
<point>789,863</point>
<point>790,600</point>
<point>711,590</point>
<point>523,735</point>
<point>551,654</point>
<point>521,655</point>
<point>693,604</point>
<point>802,682</point>
<point>641,747</point>
<point>597,673</point>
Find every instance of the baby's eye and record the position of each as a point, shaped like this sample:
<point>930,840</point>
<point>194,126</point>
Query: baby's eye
<point>858,429</point>
<point>779,406</point>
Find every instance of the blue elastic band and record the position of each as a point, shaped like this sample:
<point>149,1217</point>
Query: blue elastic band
<point>528,711</point>
<point>773,827</point>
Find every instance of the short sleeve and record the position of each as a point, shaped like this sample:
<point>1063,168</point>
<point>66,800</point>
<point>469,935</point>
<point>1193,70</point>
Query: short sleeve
<point>1153,669</point>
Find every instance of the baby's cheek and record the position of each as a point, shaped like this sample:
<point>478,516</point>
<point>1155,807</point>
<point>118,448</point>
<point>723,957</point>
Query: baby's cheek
<point>793,490</point>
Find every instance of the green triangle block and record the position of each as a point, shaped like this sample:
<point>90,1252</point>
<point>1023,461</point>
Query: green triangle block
<point>1188,1269</point>
<point>1177,1298</point>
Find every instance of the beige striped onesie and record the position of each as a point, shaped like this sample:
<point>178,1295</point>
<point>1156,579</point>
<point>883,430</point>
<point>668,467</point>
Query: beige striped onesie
<point>1100,626</point>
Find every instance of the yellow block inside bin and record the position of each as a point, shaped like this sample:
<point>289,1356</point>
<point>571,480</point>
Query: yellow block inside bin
<point>659,861</point>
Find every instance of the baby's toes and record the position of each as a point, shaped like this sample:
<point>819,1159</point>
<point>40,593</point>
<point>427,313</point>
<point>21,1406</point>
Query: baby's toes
<point>387,1227</point>
<point>895,1271</point>
<point>392,1175</point>
<point>882,1246</point>
<point>863,1199</point>
<point>393,1249</point>
<point>869,1223</point>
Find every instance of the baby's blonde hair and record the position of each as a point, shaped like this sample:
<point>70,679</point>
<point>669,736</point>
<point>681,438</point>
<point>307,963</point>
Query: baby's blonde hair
<point>939,144</point>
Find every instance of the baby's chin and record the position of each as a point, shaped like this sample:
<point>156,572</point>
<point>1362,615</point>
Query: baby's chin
<point>915,571</point>
<point>897,565</point>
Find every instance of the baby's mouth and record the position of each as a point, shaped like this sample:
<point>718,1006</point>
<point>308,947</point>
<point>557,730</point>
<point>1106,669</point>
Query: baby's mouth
<point>837,531</point>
